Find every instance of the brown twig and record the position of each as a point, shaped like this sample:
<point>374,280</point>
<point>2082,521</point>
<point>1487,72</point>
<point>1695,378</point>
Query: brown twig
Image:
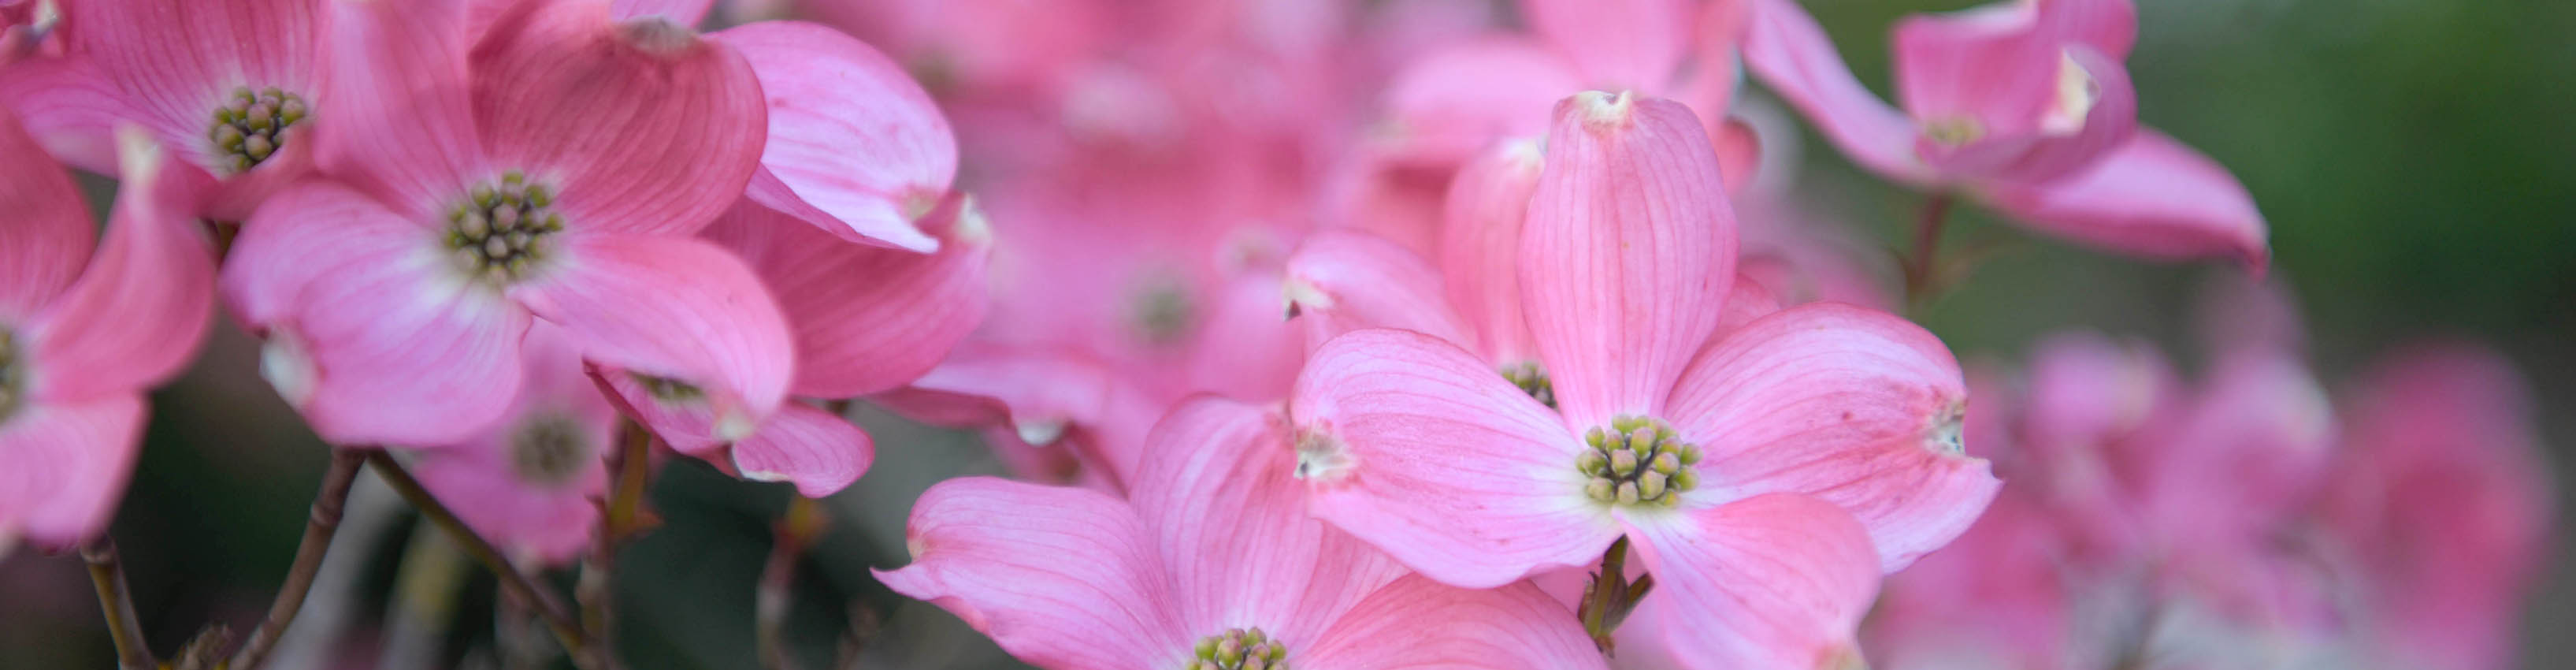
<point>117,602</point>
<point>318,530</point>
<point>620,516</point>
<point>544,602</point>
<point>1919,266</point>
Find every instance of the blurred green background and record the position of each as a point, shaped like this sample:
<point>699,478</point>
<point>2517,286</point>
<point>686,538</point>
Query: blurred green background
<point>2413,157</point>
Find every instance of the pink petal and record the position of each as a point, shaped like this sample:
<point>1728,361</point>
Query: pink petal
<point>1627,255</point>
<point>867,319</point>
<point>1786,50</point>
<point>2151,196</point>
<point>676,308</point>
<point>175,59</point>
<point>1509,628</point>
<point>137,313</point>
<point>855,147</point>
<point>1217,489</point>
<point>546,513</point>
<point>49,234</point>
<point>1414,446</point>
<point>1040,391</point>
<point>1480,244</point>
<point>1772,581</point>
<point>68,464</point>
<point>1244,347</point>
<point>819,452</point>
<point>1617,44</point>
<point>678,12</point>
<point>1061,578</point>
<point>641,125</point>
<point>1987,65</point>
<point>2030,148</point>
<point>70,106</point>
<point>1855,407</point>
<point>400,127</point>
<point>1448,105</point>
<point>1340,281</point>
<point>2109,26</point>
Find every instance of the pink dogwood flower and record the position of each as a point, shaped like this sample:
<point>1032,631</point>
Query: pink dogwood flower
<point>1766,478</point>
<point>86,326</point>
<point>2025,105</point>
<point>554,172</point>
<point>854,146</point>
<point>230,87</point>
<point>528,483</point>
<point>1212,564</point>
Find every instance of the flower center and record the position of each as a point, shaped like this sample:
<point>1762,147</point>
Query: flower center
<point>251,126</point>
<point>1954,131</point>
<point>1638,461</point>
<point>500,231</point>
<point>1162,311</point>
<point>670,390</point>
<point>1532,381</point>
<point>1239,649</point>
<point>548,450</point>
<point>12,386</point>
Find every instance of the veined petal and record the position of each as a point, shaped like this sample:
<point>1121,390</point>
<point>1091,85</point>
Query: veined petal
<point>678,12</point>
<point>399,124</point>
<point>819,452</point>
<point>48,238</point>
<point>867,319</point>
<point>1627,255</point>
<point>1855,407</point>
<point>137,313</point>
<point>1217,489</point>
<point>677,308</point>
<point>1988,66</point>
<point>1480,245</point>
<point>174,60</point>
<point>1452,103</point>
<point>1417,447</point>
<point>1771,582</point>
<point>854,146</point>
<point>68,464</point>
<point>1340,281</point>
<point>1510,628</point>
<point>2151,196</point>
<point>643,126</point>
<point>1786,50</point>
<point>2090,110</point>
<point>1060,577</point>
<point>1617,44</point>
<point>69,106</point>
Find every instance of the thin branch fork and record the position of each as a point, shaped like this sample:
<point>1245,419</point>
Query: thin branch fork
<point>117,602</point>
<point>318,530</point>
<point>543,601</point>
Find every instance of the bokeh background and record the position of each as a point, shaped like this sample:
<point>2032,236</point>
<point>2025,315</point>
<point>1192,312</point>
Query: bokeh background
<point>2414,157</point>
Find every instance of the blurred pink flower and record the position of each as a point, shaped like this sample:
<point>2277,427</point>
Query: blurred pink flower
<point>1424,450</point>
<point>477,190</point>
<point>1211,559</point>
<point>86,327</point>
<point>528,484</point>
<point>2026,105</point>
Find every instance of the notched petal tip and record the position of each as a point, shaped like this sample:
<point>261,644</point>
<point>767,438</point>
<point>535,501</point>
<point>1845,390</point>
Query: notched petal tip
<point>1603,110</point>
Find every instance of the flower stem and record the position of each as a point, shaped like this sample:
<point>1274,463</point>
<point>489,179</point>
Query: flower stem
<point>544,602</point>
<point>1609,598</point>
<point>318,530</point>
<point>796,529</point>
<point>1920,271</point>
<point>622,515</point>
<point>117,602</point>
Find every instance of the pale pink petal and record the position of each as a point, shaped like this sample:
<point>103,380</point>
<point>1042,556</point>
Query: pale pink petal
<point>2052,140</point>
<point>1987,66</point>
<point>1340,281</point>
<point>49,234</point>
<point>1419,623</point>
<point>1245,347</point>
<point>1855,407</point>
<point>1417,447</point>
<point>2151,196</point>
<point>537,503</point>
<point>1041,392</point>
<point>1786,50</point>
<point>818,452</point>
<point>867,319</point>
<point>1217,488</point>
<point>640,126</point>
<point>69,106</point>
<point>1739,152</point>
<point>1746,300</point>
<point>855,147</point>
<point>399,127</point>
<point>1450,104</point>
<point>1617,44</point>
<point>175,60</point>
<point>1771,582</point>
<point>1060,577</point>
<point>680,12</point>
<point>137,313</point>
<point>677,308</point>
<point>2264,428</point>
<point>68,464</point>
<point>1628,253</point>
<point>1480,244</point>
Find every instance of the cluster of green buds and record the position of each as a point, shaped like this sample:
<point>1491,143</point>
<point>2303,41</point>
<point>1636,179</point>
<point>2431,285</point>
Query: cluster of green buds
<point>500,230</point>
<point>249,127</point>
<point>1532,380</point>
<point>1637,461</point>
<point>1240,649</point>
<point>9,375</point>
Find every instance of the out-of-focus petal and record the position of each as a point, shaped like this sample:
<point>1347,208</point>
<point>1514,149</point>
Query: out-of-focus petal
<point>1419,448</point>
<point>640,126</point>
<point>1040,391</point>
<point>1340,281</point>
<point>1786,50</point>
<point>818,452</point>
<point>68,464</point>
<point>1855,407</point>
<point>527,483</point>
<point>1450,104</point>
<point>48,238</point>
<point>137,313</point>
<point>676,308</point>
<point>1985,66</point>
<point>1061,578</point>
<point>1627,255</point>
<point>70,106</point>
<point>678,12</point>
<point>1771,582</point>
<point>1617,44</point>
<point>1480,245</point>
<point>399,125</point>
<point>1510,628</point>
<point>2151,196</point>
<point>867,319</point>
<point>855,147</point>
